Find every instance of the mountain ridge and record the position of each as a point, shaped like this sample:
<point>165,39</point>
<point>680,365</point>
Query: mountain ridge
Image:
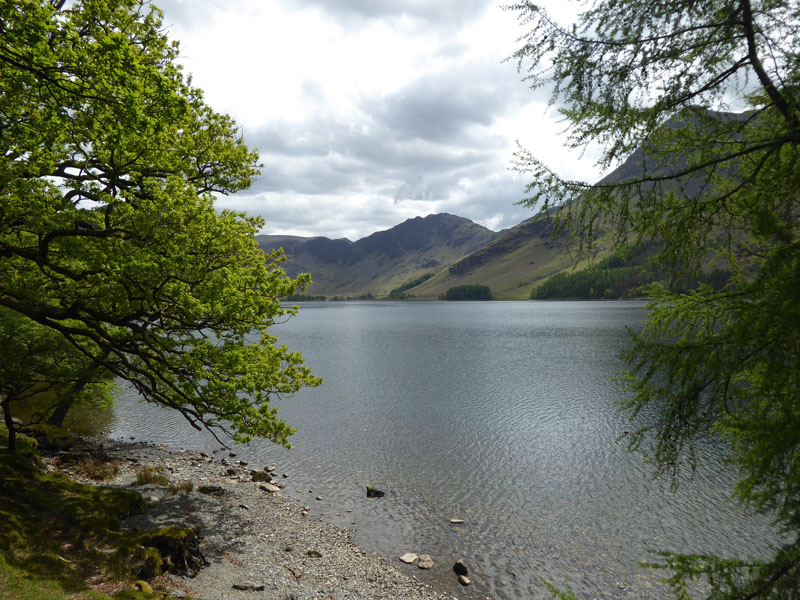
<point>382,261</point>
<point>423,257</point>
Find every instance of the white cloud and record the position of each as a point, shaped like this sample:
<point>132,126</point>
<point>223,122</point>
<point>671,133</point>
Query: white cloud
<point>368,113</point>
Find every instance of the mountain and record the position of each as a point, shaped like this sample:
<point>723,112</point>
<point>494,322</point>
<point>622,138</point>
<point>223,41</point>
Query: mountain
<point>641,161</point>
<point>527,255</point>
<point>383,261</point>
<point>424,257</point>
<point>510,265</point>
<point>449,250</point>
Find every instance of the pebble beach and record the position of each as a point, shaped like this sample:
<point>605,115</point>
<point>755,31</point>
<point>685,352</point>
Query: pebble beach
<point>258,544</point>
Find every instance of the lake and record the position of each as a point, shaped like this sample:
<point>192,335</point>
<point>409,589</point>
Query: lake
<point>498,413</point>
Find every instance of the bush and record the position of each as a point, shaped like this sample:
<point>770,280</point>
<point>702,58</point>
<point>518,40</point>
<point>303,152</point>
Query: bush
<point>398,293</point>
<point>469,292</point>
<point>181,486</point>
<point>150,475</point>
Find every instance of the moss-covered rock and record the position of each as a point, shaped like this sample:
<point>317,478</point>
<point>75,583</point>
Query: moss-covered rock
<point>59,532</point>
<point>51,438</point>
<point>27,454</point>
<point>164,550</point>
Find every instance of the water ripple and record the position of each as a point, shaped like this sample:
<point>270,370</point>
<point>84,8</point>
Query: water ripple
<point>499,413</point>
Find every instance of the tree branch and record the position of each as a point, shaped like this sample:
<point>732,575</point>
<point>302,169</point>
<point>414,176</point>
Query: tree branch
<point>769,87</point>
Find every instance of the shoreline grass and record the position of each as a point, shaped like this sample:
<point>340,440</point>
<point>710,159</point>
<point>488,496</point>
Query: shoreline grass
<point>63,539</point>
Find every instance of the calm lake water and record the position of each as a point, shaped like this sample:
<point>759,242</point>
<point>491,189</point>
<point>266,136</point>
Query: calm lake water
<point>499,413</point>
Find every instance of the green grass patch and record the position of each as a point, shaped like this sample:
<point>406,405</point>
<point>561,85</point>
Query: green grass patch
<point>150,475</point>
<point>399,293</point>
<point>97,470</point>
<point>180,486</point>
<point>58,536</point>
<point>21,584</point>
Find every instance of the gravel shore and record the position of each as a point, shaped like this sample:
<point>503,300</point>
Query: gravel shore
<point>258,544</point>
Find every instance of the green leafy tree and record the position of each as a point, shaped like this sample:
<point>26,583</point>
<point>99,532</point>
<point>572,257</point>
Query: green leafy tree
<point>468,292</point>
<point>110,165</point>
<point>39,362</point>
<point>717,187</point>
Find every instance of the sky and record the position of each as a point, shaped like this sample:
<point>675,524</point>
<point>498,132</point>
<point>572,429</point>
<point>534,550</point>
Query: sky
<point>369,112</point>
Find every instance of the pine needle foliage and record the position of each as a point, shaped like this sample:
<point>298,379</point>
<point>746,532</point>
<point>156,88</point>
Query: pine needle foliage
<point>708,91</point>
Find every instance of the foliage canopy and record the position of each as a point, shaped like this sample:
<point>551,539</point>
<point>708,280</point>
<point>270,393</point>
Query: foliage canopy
<point>468,292</point>
<point>38,362</point>
<point>108,235</point>
<point>622,276</point>
<point>717,187</point>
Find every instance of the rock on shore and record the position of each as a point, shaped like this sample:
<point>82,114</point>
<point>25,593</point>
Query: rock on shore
<point>259,544</point>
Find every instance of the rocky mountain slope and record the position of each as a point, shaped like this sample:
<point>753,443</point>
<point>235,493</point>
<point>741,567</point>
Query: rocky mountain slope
<point>449,250</point>
<point>510,265</point>
<point>454,251</point>
<point>376,264</point>
<point>527,255</point>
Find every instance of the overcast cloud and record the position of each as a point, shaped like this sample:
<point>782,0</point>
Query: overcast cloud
<point>368,112</point>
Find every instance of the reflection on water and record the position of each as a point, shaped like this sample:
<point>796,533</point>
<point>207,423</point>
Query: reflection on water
<point>497,413</point>
<point>81,419</point>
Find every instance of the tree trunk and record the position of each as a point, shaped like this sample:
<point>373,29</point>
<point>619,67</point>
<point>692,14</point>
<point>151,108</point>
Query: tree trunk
<point>57,418</point>
<point>12,434</point>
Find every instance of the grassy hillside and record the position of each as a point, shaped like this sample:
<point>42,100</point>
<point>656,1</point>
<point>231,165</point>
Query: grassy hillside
<point>383,261</point>
<point>626,276</point>
<point>459,252</point>
<point>512,265</point>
